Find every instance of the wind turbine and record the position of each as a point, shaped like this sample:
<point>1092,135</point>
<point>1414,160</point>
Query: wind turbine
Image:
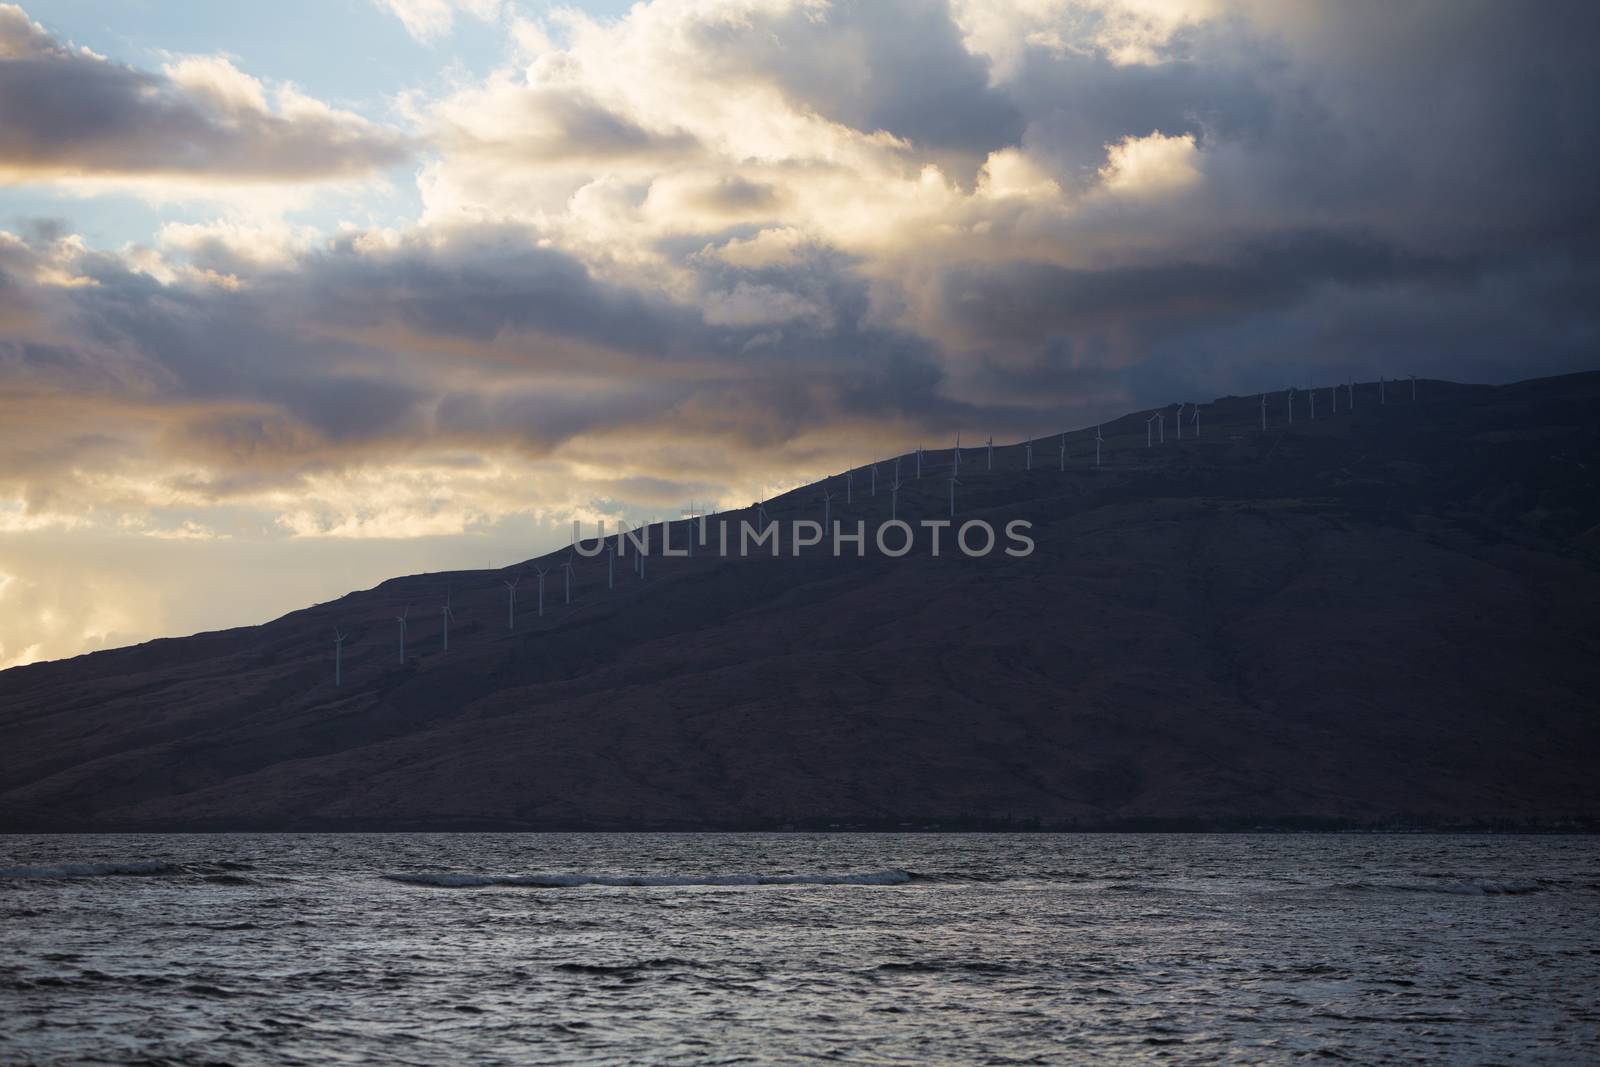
<point>849,485</point>
<point>611,567</point>
<point>567,568</point>
<point>1097,440</point>
<point>511,602</point>
<point>957,467</point>
<point>1197,422</point>
<point>1382,396</point>
<point>540,571</point>
<point>1063,451</point>
<point>761,512</point>
<point>447,615</point>
<point>1289,396</point>
<point>874,479</point>
<point>894,498</point>
<point>953,484</point>
<point>1149,434</point>
<point>827,508</point>
<point>1263,412</point>
<point>691,513</point>
<point>338,656</point>
<point>401,619</point>
<point>1311,394</point>
<point>919,463</point>
<point>988,452</point>
<point>1161,428</point>
<point>1177,420</point>
<point>1029,455</point>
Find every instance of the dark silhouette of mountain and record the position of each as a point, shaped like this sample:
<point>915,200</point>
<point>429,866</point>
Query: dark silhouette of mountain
<point>1379,617</point>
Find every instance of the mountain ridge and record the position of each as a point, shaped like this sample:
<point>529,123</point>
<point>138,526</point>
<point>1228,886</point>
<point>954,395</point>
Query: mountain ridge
<point>1376,617</point>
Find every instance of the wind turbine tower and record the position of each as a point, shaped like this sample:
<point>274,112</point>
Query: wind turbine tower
<point>894,499</point>
<point>1097,440</point>
<point>511,602</point>
<point>447,615</point>
<point>567,568</point>
<point>690,513</point>
<point>401,619</point>
<point>540,571</point>
<point>953,484</point>
<point>1149,432</point>
<point>338,657</point>
<point>988,452</point>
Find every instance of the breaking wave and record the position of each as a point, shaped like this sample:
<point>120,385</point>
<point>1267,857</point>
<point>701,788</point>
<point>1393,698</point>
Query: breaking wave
<point>568,881</point>
<point>89,870</point>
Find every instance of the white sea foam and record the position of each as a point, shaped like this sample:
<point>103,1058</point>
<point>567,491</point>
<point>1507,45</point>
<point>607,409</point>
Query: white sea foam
<point>87,870</point>
<point>566,881</point>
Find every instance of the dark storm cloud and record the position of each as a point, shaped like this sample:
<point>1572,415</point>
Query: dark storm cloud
<point>898,66</point>
<point>1367,188</point>
<point>354,354</point>
<point>69,112</point>
<point>1025,300</point>
<point>1411,167</point>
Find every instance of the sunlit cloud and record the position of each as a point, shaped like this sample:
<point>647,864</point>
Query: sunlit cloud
<point>713,248</point>
<point>72,114</point>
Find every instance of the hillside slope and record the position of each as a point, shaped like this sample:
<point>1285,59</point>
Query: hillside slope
<point>1368,618</point>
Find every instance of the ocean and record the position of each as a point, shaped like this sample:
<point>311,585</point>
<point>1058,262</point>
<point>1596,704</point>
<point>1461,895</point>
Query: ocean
<point>435,949</point>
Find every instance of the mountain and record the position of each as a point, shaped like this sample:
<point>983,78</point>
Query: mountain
<point>1374,618</point>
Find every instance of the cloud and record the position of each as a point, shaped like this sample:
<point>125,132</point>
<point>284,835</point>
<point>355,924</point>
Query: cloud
<point>67,113</point>
<point>1153,165</point>
<point>716,246</point>
<point>429,20</point>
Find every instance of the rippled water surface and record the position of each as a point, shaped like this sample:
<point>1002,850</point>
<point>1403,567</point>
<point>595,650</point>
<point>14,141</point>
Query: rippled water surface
<point>611,948</point>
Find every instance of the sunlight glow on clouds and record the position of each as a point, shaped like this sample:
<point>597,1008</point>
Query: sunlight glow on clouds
<point>711,248</point>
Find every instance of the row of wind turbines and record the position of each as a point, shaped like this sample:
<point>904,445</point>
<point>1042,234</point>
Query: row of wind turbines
<point>1155,434</point>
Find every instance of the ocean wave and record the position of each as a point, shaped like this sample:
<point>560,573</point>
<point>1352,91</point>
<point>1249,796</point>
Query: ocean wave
<point>1468,888</point>
<point>625,969</point>
<point>570,881</point>
<point>88,870</point>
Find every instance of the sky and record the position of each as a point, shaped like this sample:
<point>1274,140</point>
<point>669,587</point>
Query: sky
<point>296,297</point>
